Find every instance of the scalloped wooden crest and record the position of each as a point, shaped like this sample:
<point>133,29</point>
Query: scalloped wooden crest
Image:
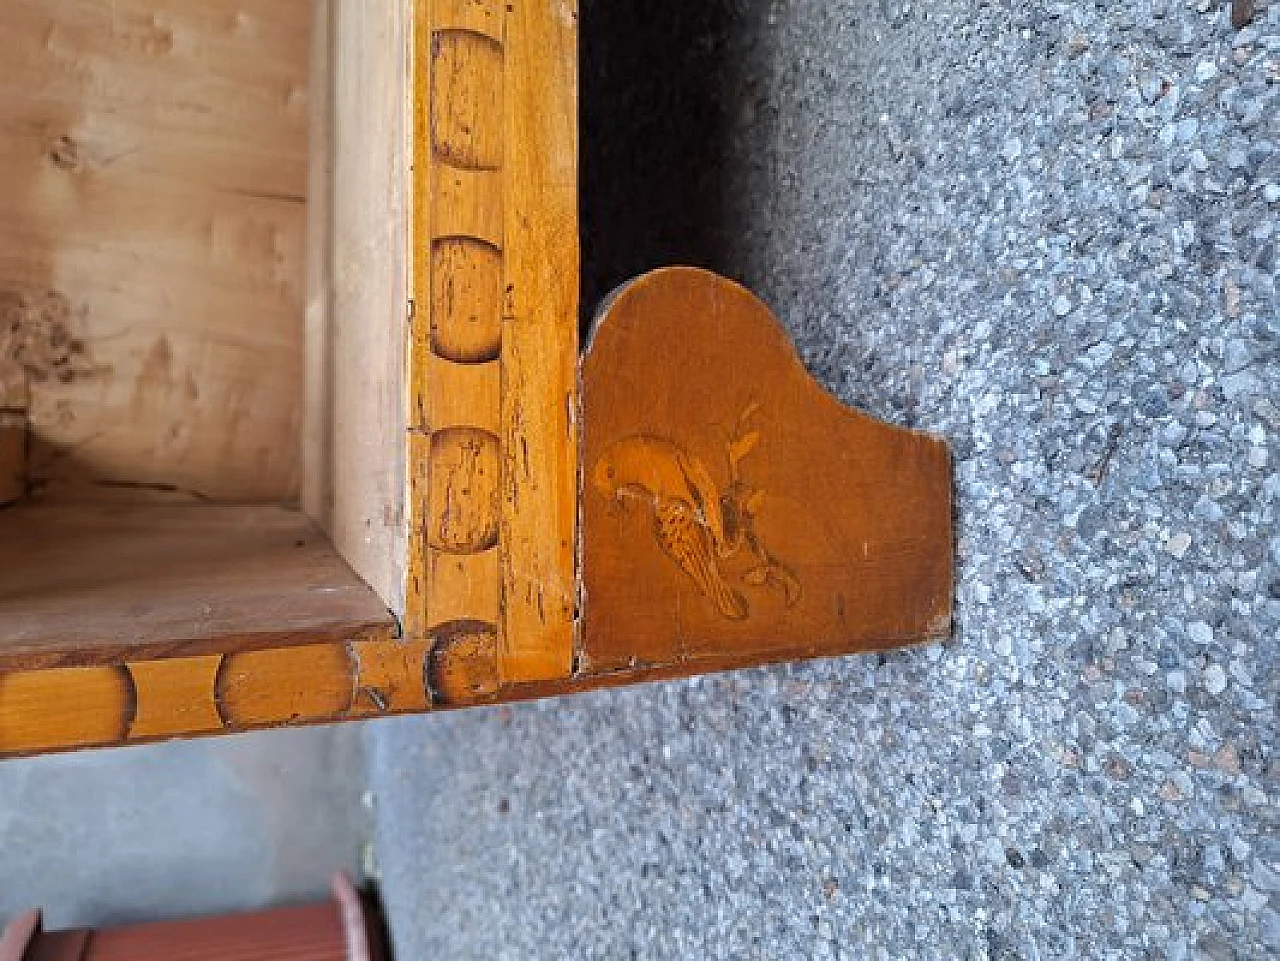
<point>732,510</point>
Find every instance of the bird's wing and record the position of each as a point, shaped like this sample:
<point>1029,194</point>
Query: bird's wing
<point>707,495</point>
<point>688,543</point>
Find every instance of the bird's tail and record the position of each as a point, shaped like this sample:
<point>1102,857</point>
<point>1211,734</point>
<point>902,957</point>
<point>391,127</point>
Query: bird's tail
<point>728,601</point>
<point>706,574</point>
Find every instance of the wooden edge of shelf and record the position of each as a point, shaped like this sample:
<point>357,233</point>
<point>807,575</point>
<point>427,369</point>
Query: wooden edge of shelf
<point>385,678</point>
<point>37,657</point>
<point>140,701</point>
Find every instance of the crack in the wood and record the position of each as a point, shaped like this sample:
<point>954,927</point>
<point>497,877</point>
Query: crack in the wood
<point>267,195</point>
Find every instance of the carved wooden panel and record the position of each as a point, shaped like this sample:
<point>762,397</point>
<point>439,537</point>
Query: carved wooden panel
<point>175,695</point>
<point>456,331</point>
<point>733,508</point>
<point>71,707</point>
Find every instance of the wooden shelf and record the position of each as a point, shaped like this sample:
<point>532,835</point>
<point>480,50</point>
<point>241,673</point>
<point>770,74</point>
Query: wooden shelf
<point>108,577</point>
<point>487,514</point>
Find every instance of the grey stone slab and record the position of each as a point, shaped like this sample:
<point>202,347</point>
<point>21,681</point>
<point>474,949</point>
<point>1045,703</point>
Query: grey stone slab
<point>181,829</point>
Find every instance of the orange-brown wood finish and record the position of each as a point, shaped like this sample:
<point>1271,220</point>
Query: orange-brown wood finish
<point>147,700</point>
<point>494,337</point>
<point>733,513</point>
<point>731,507</point>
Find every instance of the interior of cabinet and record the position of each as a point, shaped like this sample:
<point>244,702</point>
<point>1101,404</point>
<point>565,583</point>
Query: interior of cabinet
<point>201,325</point>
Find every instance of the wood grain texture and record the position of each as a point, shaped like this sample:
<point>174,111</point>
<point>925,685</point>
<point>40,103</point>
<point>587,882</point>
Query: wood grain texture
<point>106,579</point>
<point>154,155</point>
<point>495,333</point>
<point>466,300</point>
<point>356,391</point>
<point>466,203</point>
<point>463,665</point>
<point>540,341</point>
<point>466,99</point>
<point>463,586</point>
<point>456,337</point>
<point>318,348</point>
<point>484,17</point>
<point>473,402</point>
<point>64,708</point>
<point>390,676</point>
<point>285,685</point>
<point>733,510</point>
<point>175,695</point>
<point>463,503</point>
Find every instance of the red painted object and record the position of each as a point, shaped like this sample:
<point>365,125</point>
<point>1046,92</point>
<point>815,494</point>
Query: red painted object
<point>338,930</point>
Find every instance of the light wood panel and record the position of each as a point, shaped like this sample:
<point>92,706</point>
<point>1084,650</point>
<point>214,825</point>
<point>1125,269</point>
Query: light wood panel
<point>318,356</point>
<point>154,159</point>
<point>108,579</point>
<point>358,305</point>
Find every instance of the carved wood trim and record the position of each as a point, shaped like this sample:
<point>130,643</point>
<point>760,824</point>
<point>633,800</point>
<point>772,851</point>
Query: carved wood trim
<point>494,333</point>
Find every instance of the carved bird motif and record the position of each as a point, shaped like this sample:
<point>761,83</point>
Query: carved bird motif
<point>687,519</point>
<point>696,524</point>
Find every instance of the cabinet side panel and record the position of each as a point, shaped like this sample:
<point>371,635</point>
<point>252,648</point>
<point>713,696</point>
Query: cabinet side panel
<point>357,439</point>
<point>153,156</point>
<point>317,420</point>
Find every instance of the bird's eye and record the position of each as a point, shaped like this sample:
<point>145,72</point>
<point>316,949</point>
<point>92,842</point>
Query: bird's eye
<point>611,473</point>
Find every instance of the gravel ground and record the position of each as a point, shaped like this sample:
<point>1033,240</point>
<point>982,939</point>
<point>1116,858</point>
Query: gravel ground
<point>1047,231</point>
